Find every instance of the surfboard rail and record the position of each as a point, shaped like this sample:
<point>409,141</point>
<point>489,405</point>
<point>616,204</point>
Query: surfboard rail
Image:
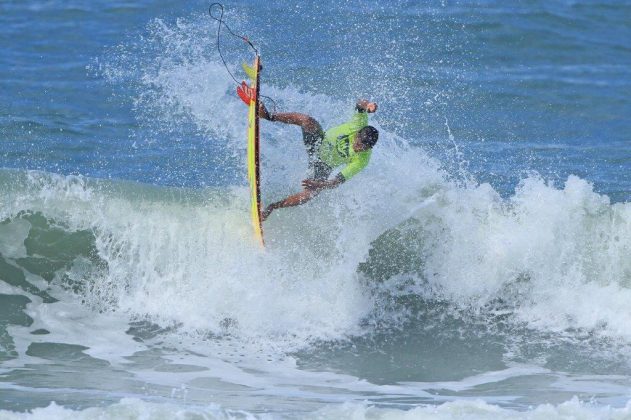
<point>250,95</point>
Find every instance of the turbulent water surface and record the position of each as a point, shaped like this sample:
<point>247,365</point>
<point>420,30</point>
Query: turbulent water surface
<point>479,267</point>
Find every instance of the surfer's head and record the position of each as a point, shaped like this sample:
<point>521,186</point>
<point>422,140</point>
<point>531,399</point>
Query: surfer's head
<point>366,138</point>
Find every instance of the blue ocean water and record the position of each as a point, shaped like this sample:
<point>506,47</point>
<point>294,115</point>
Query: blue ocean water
<point>478,267</point>
<point>526,87</point>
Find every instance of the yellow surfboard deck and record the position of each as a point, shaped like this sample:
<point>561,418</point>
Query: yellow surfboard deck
<point>250,95</point>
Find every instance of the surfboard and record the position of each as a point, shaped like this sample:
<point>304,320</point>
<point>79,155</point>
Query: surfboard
<point>249,93</point>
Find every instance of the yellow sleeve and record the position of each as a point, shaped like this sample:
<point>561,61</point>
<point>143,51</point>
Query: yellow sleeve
<point>358,162</point>
<point>359,121</point>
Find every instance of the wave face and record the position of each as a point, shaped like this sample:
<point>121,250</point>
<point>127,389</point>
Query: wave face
<point>555,258</point>
<point>479,266</point>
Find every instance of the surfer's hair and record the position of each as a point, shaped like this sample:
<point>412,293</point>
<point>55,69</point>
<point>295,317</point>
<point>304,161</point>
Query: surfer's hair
<point>369,136</point>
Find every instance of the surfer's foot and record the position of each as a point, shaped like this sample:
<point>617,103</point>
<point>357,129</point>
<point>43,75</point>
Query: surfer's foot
<point>263,113</point>
<point>265,213</point>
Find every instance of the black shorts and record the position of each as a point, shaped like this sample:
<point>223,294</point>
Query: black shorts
<point>312,140</point>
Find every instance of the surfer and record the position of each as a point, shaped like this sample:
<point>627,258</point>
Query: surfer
<point>350,143</point>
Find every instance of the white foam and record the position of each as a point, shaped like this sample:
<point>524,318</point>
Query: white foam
<point>131,408</point>
<point>477,409</point>
<point>558,256</point>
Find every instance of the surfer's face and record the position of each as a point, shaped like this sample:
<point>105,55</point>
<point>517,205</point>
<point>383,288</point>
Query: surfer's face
<point>358,145</point>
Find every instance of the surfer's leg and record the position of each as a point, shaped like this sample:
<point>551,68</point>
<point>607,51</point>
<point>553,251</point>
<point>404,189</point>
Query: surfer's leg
<point>312,136</point>
<point>306,122</point>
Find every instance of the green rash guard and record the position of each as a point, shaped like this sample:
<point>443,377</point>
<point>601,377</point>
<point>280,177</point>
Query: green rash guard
<point>337,146</point>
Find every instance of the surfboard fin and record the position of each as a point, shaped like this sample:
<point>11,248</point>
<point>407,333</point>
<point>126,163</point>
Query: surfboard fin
<point>246,93</point>
<point>249,71</point>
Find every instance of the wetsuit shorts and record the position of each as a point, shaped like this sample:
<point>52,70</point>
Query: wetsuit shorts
<point>317,168</point>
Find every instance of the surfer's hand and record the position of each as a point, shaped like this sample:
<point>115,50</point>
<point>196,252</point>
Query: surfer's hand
<point>365,105</point>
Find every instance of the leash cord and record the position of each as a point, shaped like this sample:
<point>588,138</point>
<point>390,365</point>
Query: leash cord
<point>221,21</point>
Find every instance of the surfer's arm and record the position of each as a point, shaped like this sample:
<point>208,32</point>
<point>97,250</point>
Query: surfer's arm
<point>356,165</point>
<point>359,119</point>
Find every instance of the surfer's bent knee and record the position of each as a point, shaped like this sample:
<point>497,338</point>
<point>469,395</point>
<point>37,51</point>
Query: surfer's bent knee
<point>311,126</point>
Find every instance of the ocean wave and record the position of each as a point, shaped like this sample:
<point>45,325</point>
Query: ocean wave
<point>555,259</point>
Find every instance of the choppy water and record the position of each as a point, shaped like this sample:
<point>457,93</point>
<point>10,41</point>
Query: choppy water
<point>478,268</point>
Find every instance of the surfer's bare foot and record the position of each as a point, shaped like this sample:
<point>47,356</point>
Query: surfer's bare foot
<point>263,113</point>
<point>265,213</point>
